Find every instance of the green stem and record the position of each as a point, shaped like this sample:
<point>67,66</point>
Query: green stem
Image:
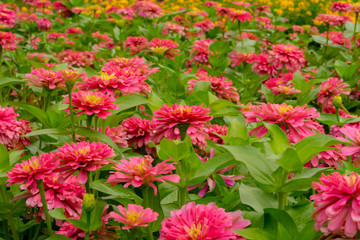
<point>72,117</point>
<point>282,196</point>
<point>9,217</point>
<point>40,185</point>
<point>326,45</point>
<point>47,100</point>
<point>337,115</point>
<point>354,40</point>
<point>182,191</point>
<point>38,230</point>
<point>96,120</point>
<point>88,121</point>
<point>6,230</point>
<point>88,182</point>
<point>88,220</point>
<point>240,30</point>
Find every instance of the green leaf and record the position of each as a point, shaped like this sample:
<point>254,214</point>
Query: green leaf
<point>308,232</point>
<point>299,81</point>
<point>174,149</point>
<point>57,213</point>
<point>256,198</point>
<point>268,94</point>
<point>302,184</point>
<point>200,93</point>
<point>282,233</point>
<point>254,234</point>
<point>55,131</point>
<point>4,158</point>
<point>96,222</point>
<point>97,136</point>
<point>273,217</point>
<point>290,161</point>
<point>280,141</point>
<point>10,81</point>
<point>319,39</point>
<point>58,237</point>
<point>220,47</point>
<point>259,167</point>
<point>35,111</point>
<point>129,101</point>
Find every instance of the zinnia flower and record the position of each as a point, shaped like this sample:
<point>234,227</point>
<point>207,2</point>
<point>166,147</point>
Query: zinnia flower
<point>83,156</point>
<point>29,171</point>
<point>139,170</point>
<point>202,222</point>
<point>138,131</point>
<point>331,88</point>
<point>351,132</point>
<point>287,56</point>
<point>297,122</point>
<point>134,216</point>
<point>147,9</point>
<point>241,15</point>
<point>332,20</point>
<point>337,204</point>
<point>7,16</point>
<point>44,24</point>
<point>340,6</point>
<point>201,52</point>
<point>237,58</point>
<point>92,103</point>
<point>43,78</point>
<point>262,65</point>
<point>136,44</point>
<point>164,47</point>
<point>169,121</point>
<point>79,59</point>
<point>8,40</point>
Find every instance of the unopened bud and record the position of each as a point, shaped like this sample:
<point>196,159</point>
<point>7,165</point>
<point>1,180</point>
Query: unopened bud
<point>89,202</point>
<point>337,101</point>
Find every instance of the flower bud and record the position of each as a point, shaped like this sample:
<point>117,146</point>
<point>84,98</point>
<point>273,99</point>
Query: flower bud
<point>337,101</point>
<point>88,202</point>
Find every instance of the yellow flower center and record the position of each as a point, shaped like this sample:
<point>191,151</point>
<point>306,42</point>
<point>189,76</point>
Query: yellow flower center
<point>133,215</point>
<point>106,77</point>
<point>93,98</point>
<point>82,151</point>
<point>159,50</point>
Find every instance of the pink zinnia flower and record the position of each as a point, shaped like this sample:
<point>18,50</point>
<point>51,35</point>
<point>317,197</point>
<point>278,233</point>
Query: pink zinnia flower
<point>134,216</point>
<point>79,59</point>
<point>202,222</point>
<point>204,26</point>
<point>74,30</point>
<point>355,7</point>
<point>173,28</point>
<point>83,156</point>
<point>340,6</point>
<point>32,170</point>
<point>92,103</point>
<point>168,121</point>
<point>351,132</point>
<point>338,38</point>
<point>237,58</point>
<point>117,134</point>
<point>332,20</point>
<point>287,56</point>
<point>337,204</point>
<point>11,130</point>
<point>44,24</point>
<point>201,52</point>
<point>164,47</point>
<point>147,9</point>
<point>223,88</point>
<point>8,40</point>
<point>136,44</point>
<point>240,15</point>
<point>139,170</point>
<point>67,195</point>
<point>7,16</point>
<point>297,122</point>
<point>42,78</point>
<point>138,131</point>
<point>331,88</point>
<point>262,65</point>
<point>213,130</point>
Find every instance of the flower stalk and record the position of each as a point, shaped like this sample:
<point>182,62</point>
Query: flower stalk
<point>40,185</point>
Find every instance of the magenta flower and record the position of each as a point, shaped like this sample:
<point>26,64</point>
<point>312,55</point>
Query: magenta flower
<point>139,170</point>
<point>79,59</point>
<point>136,44</point>
<point>340,6</point>
<point>332,20</point>
<point>237,58</point>
<point>44,24</point>
<point>223,88</point>
<point>164,47</point>
<point>287,56</point>
<point>202,222</point>
<point>297,122</point>
<point>138,131</point>
<point>331,88</point>
<point>262,65</point>
<point>352,133</point>
<point>173,28</point>
<point>92,103</point>
<point>7,16</point>
<point>83,156</point>
<point>169,120</point>
<point>147,9</point>
<point>238,14</point>
<point>200,51</point>
<point>8,40</point>
<point>45,78</point>
<point>117,134</point>
<point>29,171</point>
<point>134,216</point>
<point>337,204</point>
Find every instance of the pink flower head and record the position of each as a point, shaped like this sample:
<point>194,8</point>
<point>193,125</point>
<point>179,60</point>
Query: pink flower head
<point>74,30</point>
<point>136,44</point>
<point>92,103</point>
<point>351,132</point>
<point>168,121</point>
<point>204,25</point>
<point>287,56</point>
<point>164,47</point>
<point>297,122</point>
<point>11,130</point>
<point>67,195</point>
<point>355,7</point>
<point>134,216</point>
<point>147,9</point>
<point>331,88</point>
<point>213,130</point>
<point>201,52</point>
<point>117,134</point>
<point>79,59</point>
<point>240,15</point>
<point>8,40</point>
<point>49,79</point>
<point>104,83</point>
<point>173,28</point>
<point>338,38</point>
<point>340,6</point>
<point>7,16</point>
<point>337,204</point>
<point>237,58</point>
<point>29,171</point>
<point>139,170</point>
<point>219,85</point>
<point>332,20</point>
<point>44,24</point>
<point>262,65</point>
<point>138,131</point>
<point>83,156</point>
<point>202,222</point>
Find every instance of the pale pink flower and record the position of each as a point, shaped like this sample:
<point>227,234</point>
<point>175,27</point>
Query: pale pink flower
<point>169,121</point>
<point>351,132</point>
<point>297,122</point>
<point>44,24</point>
<point>204,26</point>
<point>12,130</point>
<point>30,171</point>
<point>337,204</point>
<point>200,51</point>
<point>40,57</point>
<point>49,79</point>
<point>147,9</point>
<point>331,88</point>
<point>328,158</point>
<point>288,56</point>
<point>134,216</point>
<point>139,171</point>
<point>338,38</point>
<point>92,103</point>
<point>223,88</point>
<point>8,41</point>
<point>355,7</point>
<point>202,222</point>
<point>117,134</point>
<point>332,20</point>
<point>79,59</point>
<point>127,12</point>
<point>84,157</point>
<point>173,28</point>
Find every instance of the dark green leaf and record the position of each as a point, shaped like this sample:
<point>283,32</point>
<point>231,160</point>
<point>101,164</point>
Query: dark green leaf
<point>129,101</point>
<point>290,161</point>
<point>280,141</point>
<point>254,234</point>
<point>256,198</point>
<point>4,158</point>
